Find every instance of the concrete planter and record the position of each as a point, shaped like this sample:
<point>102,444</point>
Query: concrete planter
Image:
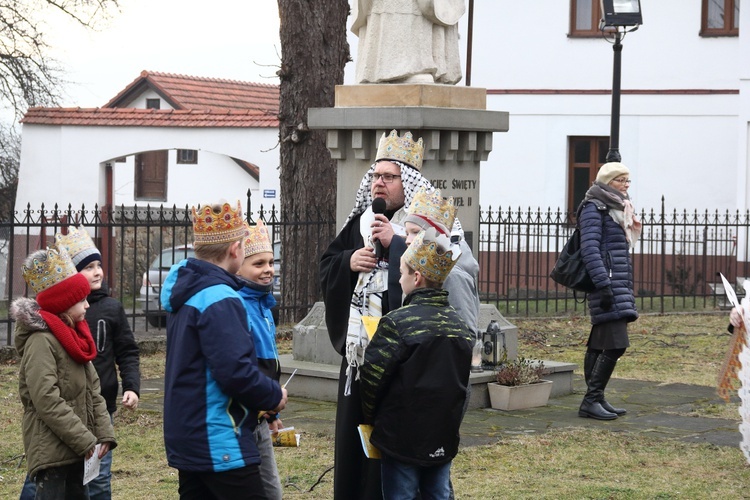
<point>518,397</point>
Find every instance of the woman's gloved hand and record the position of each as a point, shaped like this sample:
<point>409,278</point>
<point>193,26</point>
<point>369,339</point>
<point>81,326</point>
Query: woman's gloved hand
<point>606,298</point>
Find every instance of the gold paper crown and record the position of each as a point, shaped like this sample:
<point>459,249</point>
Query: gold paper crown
<point>49,270</point>
<point>257,240</point>
<point>430,253</point>
<point>434,207</point>
<point>224,226</point>
<point>402,149</point>
<point>78,244</point>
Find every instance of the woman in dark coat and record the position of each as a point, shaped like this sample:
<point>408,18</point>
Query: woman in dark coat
<point>609,229</point>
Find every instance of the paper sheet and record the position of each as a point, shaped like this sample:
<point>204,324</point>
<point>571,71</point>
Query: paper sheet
<point>91,466</point>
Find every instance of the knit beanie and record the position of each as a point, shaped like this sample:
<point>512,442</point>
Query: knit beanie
<point>64,295</point>
<point>80,247</point>
<point>610,171</point>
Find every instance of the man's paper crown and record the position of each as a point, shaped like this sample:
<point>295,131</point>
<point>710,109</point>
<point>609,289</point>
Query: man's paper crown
<point>224,226</point>
<point>402,149</point>
<point>257,239</point>
<point>432,254</point>
<point>79,246</point>
<point>44,273</point>
<point>431,209</point>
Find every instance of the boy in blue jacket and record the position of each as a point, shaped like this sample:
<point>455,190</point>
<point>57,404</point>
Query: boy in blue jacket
<point>256,273</point>
<point>213,386</point>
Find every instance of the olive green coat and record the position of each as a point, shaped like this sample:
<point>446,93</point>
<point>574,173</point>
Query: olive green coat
<point>64,413</point>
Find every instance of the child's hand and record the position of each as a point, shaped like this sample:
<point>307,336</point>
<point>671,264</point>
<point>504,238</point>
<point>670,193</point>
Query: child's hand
<point>735,317</point>
<point>275,426</point>
<point>103,450</point>
<point>130,400</point>
<point>282,403</point>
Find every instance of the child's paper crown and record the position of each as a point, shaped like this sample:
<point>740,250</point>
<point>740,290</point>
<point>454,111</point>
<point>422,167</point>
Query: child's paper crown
<point>224,226</point>
<point>432,254</point>
<point>431,209</point>
<point>79,246</point>
<point>44,273</point>
<point>257,239</point>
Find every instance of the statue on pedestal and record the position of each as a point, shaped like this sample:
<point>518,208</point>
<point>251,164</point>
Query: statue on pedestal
<point>407,41</point>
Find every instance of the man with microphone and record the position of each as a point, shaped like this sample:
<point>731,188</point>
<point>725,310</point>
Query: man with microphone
<point>359,277</point>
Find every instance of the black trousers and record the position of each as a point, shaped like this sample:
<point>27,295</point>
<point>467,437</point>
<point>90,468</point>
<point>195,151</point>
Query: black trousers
<point>237,483</point>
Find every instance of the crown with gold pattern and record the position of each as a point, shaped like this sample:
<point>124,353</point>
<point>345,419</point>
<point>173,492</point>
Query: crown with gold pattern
<point>257,239</point>
<point>223,226</point>
<point>53,268</point>
<point>432,254</point>
<point>402,149</point>
<point>431,209</point>
<point>79,246</point>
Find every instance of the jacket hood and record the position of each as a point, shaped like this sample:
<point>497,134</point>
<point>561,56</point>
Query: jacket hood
<point>25,312</point>
<point>466,260</point>
<point>190,276</point>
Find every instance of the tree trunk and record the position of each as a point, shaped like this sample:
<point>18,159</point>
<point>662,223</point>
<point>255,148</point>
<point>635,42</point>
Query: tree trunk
<point>314,51</point>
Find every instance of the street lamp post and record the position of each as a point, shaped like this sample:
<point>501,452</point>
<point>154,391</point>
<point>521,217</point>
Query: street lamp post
<point>617,17</point>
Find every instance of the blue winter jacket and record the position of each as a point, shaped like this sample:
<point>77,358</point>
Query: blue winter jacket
<point>607,259</point>
<point>258,304</point>
<point>213,387</point>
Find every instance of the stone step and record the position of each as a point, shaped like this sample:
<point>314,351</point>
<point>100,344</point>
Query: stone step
<point>320,380</point>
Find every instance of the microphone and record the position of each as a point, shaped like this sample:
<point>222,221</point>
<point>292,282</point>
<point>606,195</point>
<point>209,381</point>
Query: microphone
<point>378,207</point>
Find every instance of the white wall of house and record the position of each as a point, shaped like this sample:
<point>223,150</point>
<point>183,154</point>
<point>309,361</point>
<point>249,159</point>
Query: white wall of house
<point>66,164</point>
<point>690,148</point>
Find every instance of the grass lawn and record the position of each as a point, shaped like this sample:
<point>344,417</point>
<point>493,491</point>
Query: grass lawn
<point>580,463</point>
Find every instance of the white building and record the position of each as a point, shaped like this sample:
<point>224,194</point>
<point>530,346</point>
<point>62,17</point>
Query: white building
<point>165,139</point>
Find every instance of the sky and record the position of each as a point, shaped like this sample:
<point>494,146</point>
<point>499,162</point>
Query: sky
<point>237,40</point>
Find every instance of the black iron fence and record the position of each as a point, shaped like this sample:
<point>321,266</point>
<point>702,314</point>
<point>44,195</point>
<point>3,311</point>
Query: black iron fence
<point>133,240</point>
<point>676,260</point>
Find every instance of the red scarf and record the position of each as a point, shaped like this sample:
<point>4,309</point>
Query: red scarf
<point>77,341</point>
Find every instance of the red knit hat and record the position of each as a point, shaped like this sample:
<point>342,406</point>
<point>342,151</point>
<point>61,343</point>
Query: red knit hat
<point>62,296</point>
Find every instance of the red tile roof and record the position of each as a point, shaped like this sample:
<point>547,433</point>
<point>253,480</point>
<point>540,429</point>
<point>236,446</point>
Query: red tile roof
<point>131,117</point>
<point>191,92</point>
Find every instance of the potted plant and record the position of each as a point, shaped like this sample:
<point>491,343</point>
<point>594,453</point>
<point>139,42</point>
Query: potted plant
<point>519,385</point>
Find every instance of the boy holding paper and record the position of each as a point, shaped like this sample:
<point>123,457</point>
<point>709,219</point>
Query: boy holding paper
<point>415,375</point>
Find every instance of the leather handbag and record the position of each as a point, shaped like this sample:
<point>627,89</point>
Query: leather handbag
<point>569,270</point>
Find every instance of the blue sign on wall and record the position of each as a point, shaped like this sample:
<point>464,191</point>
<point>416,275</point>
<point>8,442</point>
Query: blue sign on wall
<point>269,193</point>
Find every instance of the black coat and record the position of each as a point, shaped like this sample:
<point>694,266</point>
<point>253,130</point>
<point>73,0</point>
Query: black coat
<point>115,346</point>
<point>414,379</point>
<point>607,259</point>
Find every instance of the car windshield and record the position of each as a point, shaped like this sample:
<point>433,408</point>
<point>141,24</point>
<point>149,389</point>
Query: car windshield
<point>171,256</point>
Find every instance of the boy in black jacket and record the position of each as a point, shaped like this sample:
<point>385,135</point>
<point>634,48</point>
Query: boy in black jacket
<point>415,375</point>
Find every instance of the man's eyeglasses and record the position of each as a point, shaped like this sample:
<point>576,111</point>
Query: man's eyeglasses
<point>387,178</point>
<point>622,180</point>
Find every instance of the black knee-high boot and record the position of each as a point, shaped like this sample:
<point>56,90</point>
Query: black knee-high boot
<point>600,374</point>
<point>589,360</point>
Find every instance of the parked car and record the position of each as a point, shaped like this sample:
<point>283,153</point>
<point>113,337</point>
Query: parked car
<point>153,279</point>
<point>159,268</point>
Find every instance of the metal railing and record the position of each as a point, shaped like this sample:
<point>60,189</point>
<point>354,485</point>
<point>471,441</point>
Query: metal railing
<point>676,261</point>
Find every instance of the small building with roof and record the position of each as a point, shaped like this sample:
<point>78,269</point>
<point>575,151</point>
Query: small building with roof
<point>164,139</point>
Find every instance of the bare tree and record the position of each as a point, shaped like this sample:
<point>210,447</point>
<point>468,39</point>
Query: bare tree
<point>314,51</point>
<point>29,76</point>
<point>10,157</point>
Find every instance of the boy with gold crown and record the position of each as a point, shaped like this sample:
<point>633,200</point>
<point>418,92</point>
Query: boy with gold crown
<point>213,386</point>
<point>65,416</point>
<point>415,375</point>
<point>256,273</point>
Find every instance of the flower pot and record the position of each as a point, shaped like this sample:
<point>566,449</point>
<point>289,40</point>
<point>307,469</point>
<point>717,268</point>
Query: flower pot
<point>518,397</point>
